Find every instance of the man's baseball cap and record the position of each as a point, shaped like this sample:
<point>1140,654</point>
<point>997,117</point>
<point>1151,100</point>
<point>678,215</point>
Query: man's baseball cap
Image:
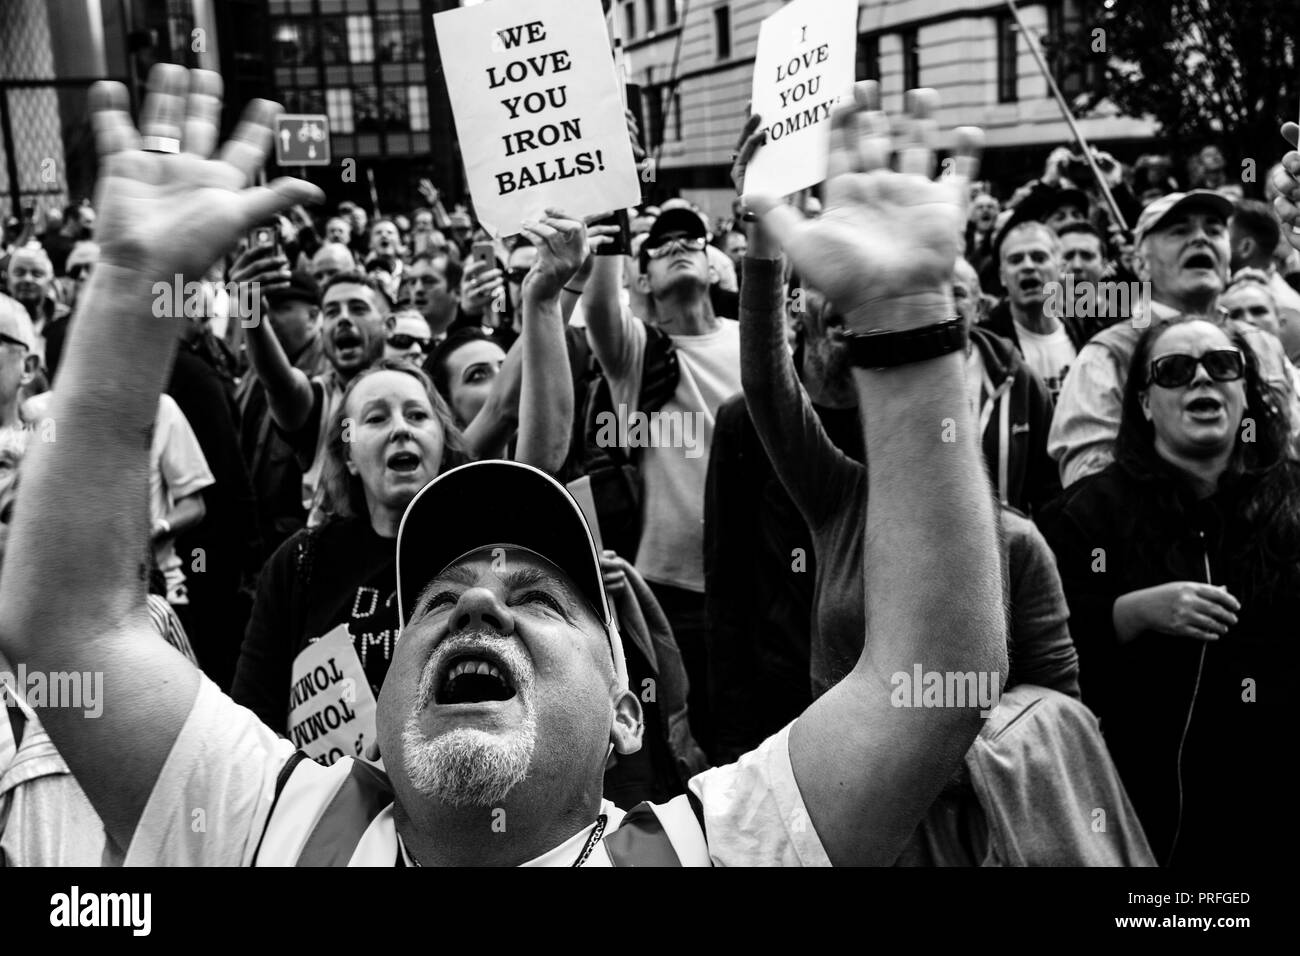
<point>16,323</point>
<point>301,288</point>
<point>506,503</point>
<point>1161,209</point>
<point>675,220</point>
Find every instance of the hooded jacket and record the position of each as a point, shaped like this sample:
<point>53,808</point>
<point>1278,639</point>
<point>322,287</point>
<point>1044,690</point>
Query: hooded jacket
<point>1014,416</point>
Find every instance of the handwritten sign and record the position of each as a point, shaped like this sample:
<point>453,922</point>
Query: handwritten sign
<point>331,707</point>
<point>804,67</point>
<point>538,110</point>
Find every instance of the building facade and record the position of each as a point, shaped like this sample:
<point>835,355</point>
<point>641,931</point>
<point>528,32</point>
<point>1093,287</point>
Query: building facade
<point>694,62</point>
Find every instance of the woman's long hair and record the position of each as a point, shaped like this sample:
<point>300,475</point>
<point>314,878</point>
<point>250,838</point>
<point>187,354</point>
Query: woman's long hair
<point>344,494</point>
<point>1264,467</point>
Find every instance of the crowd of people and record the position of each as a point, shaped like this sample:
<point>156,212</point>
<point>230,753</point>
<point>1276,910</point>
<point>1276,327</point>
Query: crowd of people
<point>631,529</point>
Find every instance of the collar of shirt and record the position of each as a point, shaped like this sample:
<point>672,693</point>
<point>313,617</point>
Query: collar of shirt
<point>563,855</point>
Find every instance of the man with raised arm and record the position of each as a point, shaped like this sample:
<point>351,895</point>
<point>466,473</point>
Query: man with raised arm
<point>507,693</point>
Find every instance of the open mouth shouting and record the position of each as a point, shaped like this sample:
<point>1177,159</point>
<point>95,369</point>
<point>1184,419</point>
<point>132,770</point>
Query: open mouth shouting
<point>404,462</point>
<point>1205,408</point>
<point>473,679</point>
<point>1200,259</point>
<point>1031,285</point>
<point>476,673</point>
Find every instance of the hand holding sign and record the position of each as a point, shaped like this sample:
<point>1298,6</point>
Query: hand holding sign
<point>887,241</point>
<point>562,248</point>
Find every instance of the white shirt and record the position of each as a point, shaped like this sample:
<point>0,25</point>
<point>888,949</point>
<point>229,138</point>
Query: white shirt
<point>177,469</point>
<point>212,801</point>
<point>1048,356</point>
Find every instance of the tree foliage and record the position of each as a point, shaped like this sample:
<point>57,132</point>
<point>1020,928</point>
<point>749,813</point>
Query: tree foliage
<point>1208,71</point>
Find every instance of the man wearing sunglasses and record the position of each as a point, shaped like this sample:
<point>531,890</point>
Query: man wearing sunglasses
<point>408,336</point>
<point>1183,251</point>
<point>675,277</point>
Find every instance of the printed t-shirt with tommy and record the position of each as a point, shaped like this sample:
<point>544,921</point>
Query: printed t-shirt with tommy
<point>1049,356</point>
<point>341,574</point>
<point>177,469</point>
<point>227,761</point>
<point>672,536</point>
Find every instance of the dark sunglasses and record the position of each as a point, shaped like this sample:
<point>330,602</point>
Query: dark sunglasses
<point>668,246</point>
<point>401,341</point>
<point>1178,369</point>
<point>13,341</point>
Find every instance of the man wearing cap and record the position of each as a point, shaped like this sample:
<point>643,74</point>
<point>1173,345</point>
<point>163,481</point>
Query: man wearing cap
<point>1183,251</point>
<point>294,314</point>
<point>506,697</point>
<point>674,275</point>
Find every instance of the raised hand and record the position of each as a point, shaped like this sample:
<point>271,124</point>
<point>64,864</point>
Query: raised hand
<point>163,213</point>
<point>562,248</point>
<point>884,249</point>
<point>1286,180</point>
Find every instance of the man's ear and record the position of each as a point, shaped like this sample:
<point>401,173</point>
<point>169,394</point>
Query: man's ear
<point>642,283</point>
<point>390,323</point>
<point>1145,398</point>
<point>625,734</point>
<point>1244,249</point>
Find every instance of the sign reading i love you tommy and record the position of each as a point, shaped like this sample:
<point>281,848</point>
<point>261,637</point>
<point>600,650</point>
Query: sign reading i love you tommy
<point>538,109</point>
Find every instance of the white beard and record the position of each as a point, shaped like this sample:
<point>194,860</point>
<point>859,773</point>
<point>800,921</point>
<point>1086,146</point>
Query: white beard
<point>467,767</point>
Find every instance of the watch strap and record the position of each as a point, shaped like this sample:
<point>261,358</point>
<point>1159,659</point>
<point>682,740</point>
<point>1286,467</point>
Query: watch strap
<point>887,349</point>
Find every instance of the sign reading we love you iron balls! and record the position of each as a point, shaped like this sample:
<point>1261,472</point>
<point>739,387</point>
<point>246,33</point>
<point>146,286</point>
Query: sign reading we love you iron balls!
<point>538,109</point>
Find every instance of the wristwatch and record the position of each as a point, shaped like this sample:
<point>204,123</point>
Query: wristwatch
<point>887,349</point>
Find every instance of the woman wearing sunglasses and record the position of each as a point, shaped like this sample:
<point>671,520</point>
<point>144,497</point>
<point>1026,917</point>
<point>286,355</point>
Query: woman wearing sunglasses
<point>1181,567</point>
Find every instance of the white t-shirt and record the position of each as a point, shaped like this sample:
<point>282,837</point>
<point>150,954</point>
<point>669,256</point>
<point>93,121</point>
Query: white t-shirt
<point>1048,356</point>
<point>225,763</point>
<point>177,469</point>
<point>672,536</point>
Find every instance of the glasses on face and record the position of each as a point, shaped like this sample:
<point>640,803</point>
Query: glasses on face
<point>1178,369</point>
<point>10,340</point>
<point>402,342</point>
<point>681,244</point>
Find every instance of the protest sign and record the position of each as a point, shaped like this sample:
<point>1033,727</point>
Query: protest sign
<point>804,66</point>
<point>538,110</point>
<point>331,706</point>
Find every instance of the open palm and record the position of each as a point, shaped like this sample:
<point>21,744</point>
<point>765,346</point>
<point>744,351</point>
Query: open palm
<point>163,213</point>
<point>885,235</point>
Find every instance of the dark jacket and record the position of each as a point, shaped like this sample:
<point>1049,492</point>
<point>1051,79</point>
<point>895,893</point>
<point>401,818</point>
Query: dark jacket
<point>1001,323</point>
<point>1116,532</point>
<point>1018,412</point>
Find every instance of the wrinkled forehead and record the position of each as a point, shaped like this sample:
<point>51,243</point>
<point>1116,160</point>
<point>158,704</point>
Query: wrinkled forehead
<point>407,324</point>
<point>1190,216</point>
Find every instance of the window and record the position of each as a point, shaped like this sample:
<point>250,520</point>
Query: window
<point>418,100</point>
<point>654,116</point>
<point>651,23</point>
<point>294,42</point>
<point>366,101</point>
<point>911,61</point>
<point>629,19</point>
<point>1008,67</point>
<point>722,31</point>
<point>868,65</point>
<point>671,13</point>
<point>361,40</point>
<point>338,107</point>
<point>333,41</point>
<point>1068,49</point>
<point>397,106</point>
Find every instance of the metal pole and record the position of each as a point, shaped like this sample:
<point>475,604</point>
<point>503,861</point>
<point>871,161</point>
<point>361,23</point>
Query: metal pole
<point>1069,117</point>
<point>11,158</point>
